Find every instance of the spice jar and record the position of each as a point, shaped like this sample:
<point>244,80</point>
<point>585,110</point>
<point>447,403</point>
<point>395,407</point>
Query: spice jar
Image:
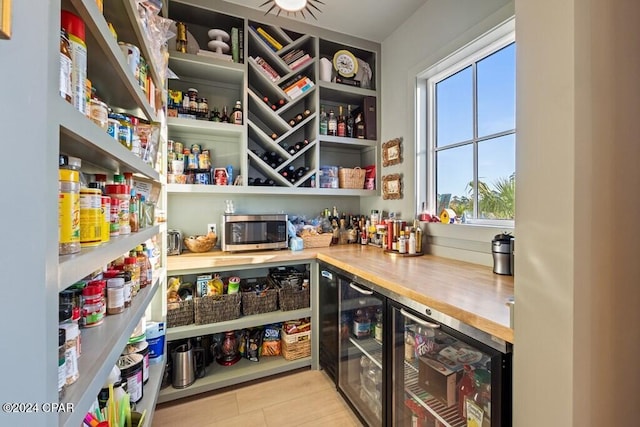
<point>120,196</point>
<point>115,295</point>
<point>62,367</point>
<point>131,266</point>
<point>72,333</point>
<point>68,210</point>
<point>92,306</point>
<point>66,65</point>
<point>91,217</point>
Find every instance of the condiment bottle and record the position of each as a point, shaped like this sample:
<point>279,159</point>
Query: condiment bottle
<point>144,265</point>
<point>131,266</point>
<point>115,295</point>
<point>236,115</point>
<point>412,243</point>
<point>402,248</point>
<point>68,208</point>
<point>134,220</point>
<point>62,367</point>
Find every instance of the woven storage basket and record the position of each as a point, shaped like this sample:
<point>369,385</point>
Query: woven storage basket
<point>179,313</point>
<point>295,346</point>
<point>288,282</point>
<point>258,303</point>
<point>317,240</point>
<point>217,308</point>
<point>351,178</point>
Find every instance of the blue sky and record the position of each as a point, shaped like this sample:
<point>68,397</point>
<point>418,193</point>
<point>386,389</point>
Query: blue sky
<point>496,113</point>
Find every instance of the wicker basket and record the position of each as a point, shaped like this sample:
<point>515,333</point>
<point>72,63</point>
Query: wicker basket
<point>295,346</point>
<point>217,308</point>
<point>352,178</point>
<point>201,243</point>
<point>288,281</point>
<point>179,313</point>
<point>317,240</point>
<point>258,303</point>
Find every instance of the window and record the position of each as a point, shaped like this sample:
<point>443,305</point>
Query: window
<point>466,131</point>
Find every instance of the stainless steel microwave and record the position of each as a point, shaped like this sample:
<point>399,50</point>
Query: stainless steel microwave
<point>254,232</point>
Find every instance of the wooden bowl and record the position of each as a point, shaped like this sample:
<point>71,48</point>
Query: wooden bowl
<point>201,243</point>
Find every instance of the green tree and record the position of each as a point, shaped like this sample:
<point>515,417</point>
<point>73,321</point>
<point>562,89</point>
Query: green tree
<point>497,201</point>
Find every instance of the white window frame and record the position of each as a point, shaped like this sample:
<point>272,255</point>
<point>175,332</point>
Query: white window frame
<point>483,46</point>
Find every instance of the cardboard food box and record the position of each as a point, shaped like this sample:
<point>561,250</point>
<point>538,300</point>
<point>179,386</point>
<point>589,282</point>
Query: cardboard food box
<point>438,380</point>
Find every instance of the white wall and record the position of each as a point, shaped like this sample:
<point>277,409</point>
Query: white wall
<point>436,30</point>
<point>578,288</point>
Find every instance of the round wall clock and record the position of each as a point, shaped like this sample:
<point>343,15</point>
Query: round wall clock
<point>345,63</point>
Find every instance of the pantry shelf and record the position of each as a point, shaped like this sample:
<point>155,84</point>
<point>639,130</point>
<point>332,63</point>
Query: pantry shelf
<point>80,137</point>
<point>74,267</point>
<point>249,189</point>
<point>189,66</point>
<point>151,389</point>
<point>180,126</point>
<point>106,63</point>
<point>223,376</point>
<point>101,348</point>
<point>188,331</point>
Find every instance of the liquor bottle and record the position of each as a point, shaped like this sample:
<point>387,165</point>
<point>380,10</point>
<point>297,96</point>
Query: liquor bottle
<point>350,122</point>
<point>298,146</point>
<point>360,129</point>
<point>332,124</point>
<point>215,115</point>
<point>236,115</point>
<point>181,37</point>
<point>323,121</point>
<point>342,124</point>
<point>225,116</point>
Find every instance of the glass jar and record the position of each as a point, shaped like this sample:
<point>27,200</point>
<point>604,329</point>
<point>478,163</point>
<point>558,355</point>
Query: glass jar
<point>68,210</point>
<point>92,308</point>
<point>120,197</point>
<point>72,333</point>
<point>115,295</point>
<point>131,266</point>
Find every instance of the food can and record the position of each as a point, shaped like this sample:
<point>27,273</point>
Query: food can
<point>91,217</point>
<point>113,128</point>
<point>99,113</point>
<point>132,53</point>
<point>195,148</point>
<point>178,147</point>
<point>192,161</point>
<point>131,371</point>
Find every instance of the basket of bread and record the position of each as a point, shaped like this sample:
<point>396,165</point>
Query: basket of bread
<point>202,243</point>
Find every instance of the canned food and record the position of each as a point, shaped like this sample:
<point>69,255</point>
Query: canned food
<point>113,128</point>
<point>178,147</point>
<point>204,162</point>
<point>99,113</point>
<point>195,148</point>
<point>192,161</point>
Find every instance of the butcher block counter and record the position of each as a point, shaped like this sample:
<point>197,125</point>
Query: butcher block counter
<point>468,292</point>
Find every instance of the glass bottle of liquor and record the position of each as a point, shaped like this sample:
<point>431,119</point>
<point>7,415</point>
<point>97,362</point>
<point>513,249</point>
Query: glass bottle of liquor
<point>225,115</point>
<point>236,114</point>
<point>332,124</point>
<point>359,123</point>
<point>323,121</point>
<point>342,124</point>
<point>215,115</point>
<point>350,123</point>
<point>181,37</point>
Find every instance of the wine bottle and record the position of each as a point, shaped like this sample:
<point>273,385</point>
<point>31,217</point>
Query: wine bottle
<point>332,124</point>
<point>360,129</point>
<point>342,125</point>
<point>350,122</point>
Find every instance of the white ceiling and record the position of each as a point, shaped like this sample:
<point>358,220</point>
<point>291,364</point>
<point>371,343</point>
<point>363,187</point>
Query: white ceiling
<point>368,19</point>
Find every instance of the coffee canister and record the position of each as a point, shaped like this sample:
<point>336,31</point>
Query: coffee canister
<point>141,348</point>
<point>131,366</point>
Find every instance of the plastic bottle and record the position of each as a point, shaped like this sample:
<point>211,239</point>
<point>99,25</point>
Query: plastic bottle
<point>412,243</point>
<point>68,209</point>
<point>466,388</point>
<point>143,265</point>
<point>134,220</point>
<point>131,266</point>
<point>75,28</point>
<point>402,247</point>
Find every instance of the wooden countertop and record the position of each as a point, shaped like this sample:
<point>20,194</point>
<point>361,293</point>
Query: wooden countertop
<point>468,292</point>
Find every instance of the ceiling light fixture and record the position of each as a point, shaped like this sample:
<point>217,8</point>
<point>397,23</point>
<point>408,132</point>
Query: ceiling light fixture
<point>292,7</point>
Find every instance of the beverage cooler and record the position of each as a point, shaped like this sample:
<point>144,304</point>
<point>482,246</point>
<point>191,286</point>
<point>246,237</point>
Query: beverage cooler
<point>361,366</point>
<point>446,373</point>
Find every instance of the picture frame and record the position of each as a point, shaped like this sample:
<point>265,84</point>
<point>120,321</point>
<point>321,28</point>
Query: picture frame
<point>392,187</point>
<point>5,19</point>
<point>392,152</point>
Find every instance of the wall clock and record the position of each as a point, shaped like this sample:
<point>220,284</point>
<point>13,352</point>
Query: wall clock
<point>345,63</point>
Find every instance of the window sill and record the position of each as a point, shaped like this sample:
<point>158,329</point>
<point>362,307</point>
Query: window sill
<point>464,242</point>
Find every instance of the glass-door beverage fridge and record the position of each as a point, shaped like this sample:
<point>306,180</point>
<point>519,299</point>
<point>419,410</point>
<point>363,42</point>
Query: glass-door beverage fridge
<point>446,373</point>
<point>361,362</point>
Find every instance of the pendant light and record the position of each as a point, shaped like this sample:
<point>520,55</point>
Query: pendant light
<point>292,7</point>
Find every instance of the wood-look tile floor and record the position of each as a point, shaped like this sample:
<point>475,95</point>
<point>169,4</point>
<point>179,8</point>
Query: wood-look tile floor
<point>302,398</point>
